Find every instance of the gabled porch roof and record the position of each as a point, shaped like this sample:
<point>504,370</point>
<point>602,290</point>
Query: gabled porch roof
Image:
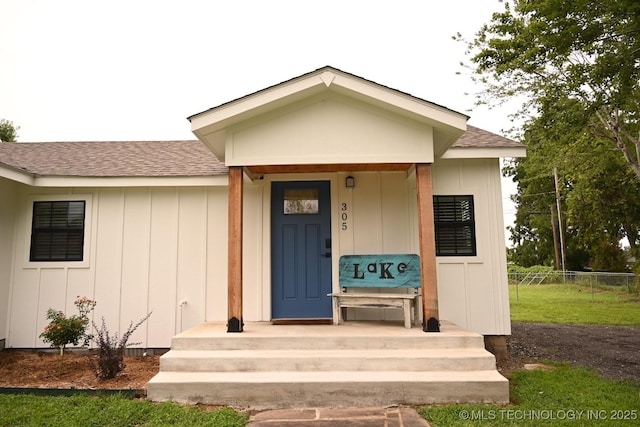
<point>214,126</point>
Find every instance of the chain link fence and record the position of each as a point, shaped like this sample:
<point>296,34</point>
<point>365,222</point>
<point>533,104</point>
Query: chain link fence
<point>626,282</point>
<point>579,277</point>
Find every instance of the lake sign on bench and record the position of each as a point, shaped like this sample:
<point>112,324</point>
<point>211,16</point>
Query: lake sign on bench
<point>380,271</point>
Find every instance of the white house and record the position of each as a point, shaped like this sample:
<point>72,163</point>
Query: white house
<point>199,231</point>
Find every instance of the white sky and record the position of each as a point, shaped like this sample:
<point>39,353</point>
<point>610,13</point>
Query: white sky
<point>135,69</point>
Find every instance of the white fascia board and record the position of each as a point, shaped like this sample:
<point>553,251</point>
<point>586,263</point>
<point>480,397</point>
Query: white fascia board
<point>215,141</point>
<point>73,181</point>
<point>209,126</point>
<point>16,175</point>
<point>484,153</point>
<point>424,110</point>
<point>220,117</point>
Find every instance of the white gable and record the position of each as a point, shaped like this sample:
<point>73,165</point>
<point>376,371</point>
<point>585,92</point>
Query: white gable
<point>328,116</point>
<point>328,129</point>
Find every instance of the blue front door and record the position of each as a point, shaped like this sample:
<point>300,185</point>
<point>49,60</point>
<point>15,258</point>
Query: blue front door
<point>300,250</point>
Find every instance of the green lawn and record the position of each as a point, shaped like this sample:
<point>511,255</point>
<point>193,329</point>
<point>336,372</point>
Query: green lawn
<point>81,411</point>
<point>564,396</point>
<point>574,304</point>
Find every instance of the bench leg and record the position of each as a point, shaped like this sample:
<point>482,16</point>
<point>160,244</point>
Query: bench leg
<point>337,312</point>
<point>406,307</point>
<point>416,311</point>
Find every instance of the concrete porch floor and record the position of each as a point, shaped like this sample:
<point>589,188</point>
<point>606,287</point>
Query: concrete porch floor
<point>346,329</point>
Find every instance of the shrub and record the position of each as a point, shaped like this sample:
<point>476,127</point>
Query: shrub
<point>110,360</point>
<point>63,330</point>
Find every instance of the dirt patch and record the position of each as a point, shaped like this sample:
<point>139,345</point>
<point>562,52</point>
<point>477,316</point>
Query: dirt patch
<point>43,369</point>
<point>613,351</point>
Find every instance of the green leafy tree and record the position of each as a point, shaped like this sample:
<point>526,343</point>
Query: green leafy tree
<point>552,51</point>
<point>8,131</point>
<point>577,66</point>
<point>598,195</point>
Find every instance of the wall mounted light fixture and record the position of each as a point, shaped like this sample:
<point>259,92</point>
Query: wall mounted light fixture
<point>350,182</point>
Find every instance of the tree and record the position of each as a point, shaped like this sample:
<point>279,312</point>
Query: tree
<point>8,132</point>
<point>552,51</point>
<point>577,66</point>
<point>598,194</point>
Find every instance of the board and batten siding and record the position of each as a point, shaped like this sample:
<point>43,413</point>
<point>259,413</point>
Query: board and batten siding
<point>8,197</point>
<point>153,248</point>
<point>377,222</point>
<point>473,291</point>
<point>149,250</point>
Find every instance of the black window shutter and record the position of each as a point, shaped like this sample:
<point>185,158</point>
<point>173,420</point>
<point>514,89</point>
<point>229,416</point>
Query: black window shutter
<point>454,225</point>
<point>57,232</point>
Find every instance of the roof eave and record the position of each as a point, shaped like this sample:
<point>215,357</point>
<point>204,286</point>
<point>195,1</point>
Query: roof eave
<point>128,181</point>
<point>484,152</point>
<point>16,174</point>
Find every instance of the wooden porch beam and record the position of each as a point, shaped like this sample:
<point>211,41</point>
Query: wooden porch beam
<point>234,307</point>
<point>343,167</point>
<point>426,232</point>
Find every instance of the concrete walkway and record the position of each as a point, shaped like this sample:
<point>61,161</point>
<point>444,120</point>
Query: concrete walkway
<point>343,417</point>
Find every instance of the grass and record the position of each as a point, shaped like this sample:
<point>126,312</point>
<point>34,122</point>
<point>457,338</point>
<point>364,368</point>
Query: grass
<point>574,304</point>
<point>564,396</point>
<point>26,410</point>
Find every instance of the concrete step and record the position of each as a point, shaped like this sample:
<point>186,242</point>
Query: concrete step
<point>287,389</point>
<point>311,342</point>
<point>354,335</point>
<point>326,343</point>
<point>327,360</point>
<point>355,364</point>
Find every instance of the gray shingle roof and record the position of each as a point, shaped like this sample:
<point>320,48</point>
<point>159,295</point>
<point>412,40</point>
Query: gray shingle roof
<point>112,158</point>
<point>154,158</point>
<point>479,138</point>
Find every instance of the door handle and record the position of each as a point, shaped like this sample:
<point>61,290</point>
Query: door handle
<point>327,255</point>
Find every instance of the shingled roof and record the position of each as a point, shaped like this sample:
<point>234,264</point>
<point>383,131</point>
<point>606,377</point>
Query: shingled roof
<point>479,138</point>
<point>112,158</point>
<point>154,158</point>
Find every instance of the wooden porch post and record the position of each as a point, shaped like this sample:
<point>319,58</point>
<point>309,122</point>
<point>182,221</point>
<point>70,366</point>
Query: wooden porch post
<point>234,260</point>
<point>426,232</point>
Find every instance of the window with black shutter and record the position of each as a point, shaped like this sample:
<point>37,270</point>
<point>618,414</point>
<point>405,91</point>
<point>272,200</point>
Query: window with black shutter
<point>455,228</point>
<point>57,231</point>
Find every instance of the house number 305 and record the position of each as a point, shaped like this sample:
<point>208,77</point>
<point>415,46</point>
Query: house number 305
<point>344,216</point>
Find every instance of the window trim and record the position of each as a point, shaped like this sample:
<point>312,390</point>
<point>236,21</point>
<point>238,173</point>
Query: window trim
<point>456,225</point>
<point>86,252</point>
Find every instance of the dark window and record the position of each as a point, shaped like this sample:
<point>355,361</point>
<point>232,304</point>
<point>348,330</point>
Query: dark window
<point>57,231</point>
<point>454,225</point>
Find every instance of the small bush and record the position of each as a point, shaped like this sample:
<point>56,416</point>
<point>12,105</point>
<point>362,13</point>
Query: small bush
<point>111,350</point>
<point>63,330</point>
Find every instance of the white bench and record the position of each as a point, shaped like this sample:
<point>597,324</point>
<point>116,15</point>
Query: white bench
<point>396,271</point>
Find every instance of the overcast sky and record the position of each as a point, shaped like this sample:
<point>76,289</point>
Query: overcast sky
<point>135,69</point>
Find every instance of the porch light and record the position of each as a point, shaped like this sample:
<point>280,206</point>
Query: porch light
<point>350,182</point>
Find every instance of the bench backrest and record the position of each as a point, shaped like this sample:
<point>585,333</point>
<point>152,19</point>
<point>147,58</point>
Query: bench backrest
<point>380,271</point>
